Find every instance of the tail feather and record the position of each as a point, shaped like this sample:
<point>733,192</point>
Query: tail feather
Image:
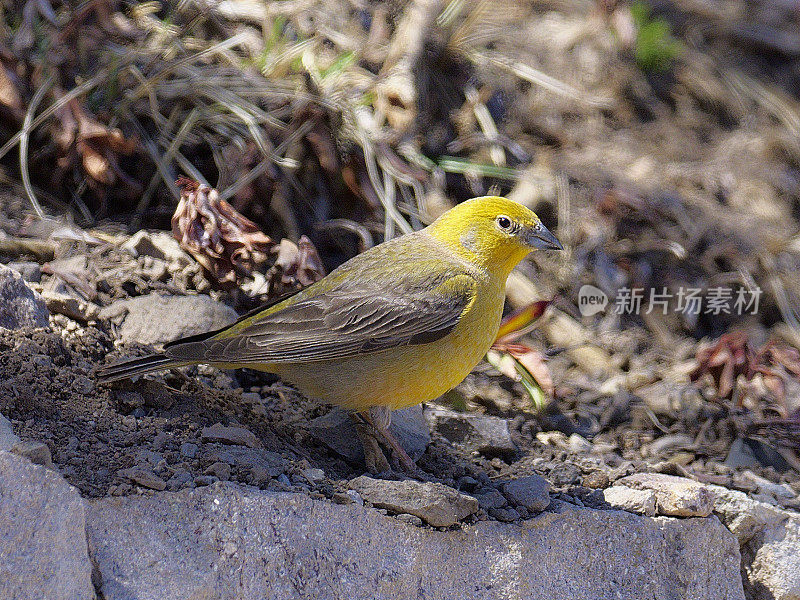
<point>137,366</point>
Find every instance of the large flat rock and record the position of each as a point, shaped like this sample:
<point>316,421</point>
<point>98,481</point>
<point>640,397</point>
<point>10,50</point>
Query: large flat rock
<point>43,551</point>
<point>770,543</point>
<point>157,319</point>
<point>228,542</point>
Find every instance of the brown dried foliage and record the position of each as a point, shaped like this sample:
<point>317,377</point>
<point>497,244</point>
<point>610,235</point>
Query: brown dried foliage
<point>227,244</point>
<point>295,267</point>
<point>231,247</point>
<point>732,356</point>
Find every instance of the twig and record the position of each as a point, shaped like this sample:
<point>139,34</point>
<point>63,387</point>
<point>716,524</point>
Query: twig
<point>275,157</point>
<point>184,129</point>
<point>41,249</point>
<point>357,228</point>
<point>23,144</point>
<point>487,125</point>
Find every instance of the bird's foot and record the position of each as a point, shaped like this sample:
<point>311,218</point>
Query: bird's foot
<point>374,458</point>
<point>378,419</point>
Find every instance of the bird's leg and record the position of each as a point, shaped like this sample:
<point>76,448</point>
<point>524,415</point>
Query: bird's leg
<point>380,417</point>
<point>374,458</point>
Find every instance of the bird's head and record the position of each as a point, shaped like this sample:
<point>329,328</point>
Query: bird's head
<point>493,232</point>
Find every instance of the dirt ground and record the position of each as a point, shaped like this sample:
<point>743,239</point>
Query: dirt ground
<point>658,140</point>
<point>95,431</point>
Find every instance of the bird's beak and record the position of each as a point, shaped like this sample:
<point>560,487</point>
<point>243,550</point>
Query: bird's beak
<point>541,238</point>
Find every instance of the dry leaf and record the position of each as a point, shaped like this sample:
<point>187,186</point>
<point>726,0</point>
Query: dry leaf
<point>226,243</point>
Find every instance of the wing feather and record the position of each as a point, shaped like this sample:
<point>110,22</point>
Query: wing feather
<point>350,319</point>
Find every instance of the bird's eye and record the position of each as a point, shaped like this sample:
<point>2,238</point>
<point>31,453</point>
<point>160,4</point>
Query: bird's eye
<point>504,223</point>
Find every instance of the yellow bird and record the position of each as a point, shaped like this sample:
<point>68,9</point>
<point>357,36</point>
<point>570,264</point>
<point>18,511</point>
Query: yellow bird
<point>399,324</point>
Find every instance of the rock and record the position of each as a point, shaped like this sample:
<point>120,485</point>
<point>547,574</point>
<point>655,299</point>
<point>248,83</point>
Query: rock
<point>31,271</point>
<point>552,438</point>
<point>7,437</point>
<point>128,400</point>
<point>506,515</point>
<point>262,464</point>
<point>20,306</point>
<point>188,450</point>
<point>579,444</point>
<point>224,541</point>
<point>565,474</point>
<point>532,492</point>
<point>776,563</point>
<point>313,475</point>
<point>751,453</point>
<point>158,244</point>
<point>69,306</point>
<point>596,480</point>
<point>237,436</point>
<point>161,440</point>
<point>221,470</point>
<point>337,431</point>
<point>770,543</point>
<point>434,503</point>
<point>43,548</point>
<point>490,498</point>
<point>675,496</point>
<point>410,519</point>
<point>144,477</point>
<point>779,490</point>
<point>642,502</point>
<point>36,452</point>
<point>151,457</point>
<point>205,480</point>
<point>156,319</point>
<point>143,455</point>
<point>179,479</point>
<point>480,433</point>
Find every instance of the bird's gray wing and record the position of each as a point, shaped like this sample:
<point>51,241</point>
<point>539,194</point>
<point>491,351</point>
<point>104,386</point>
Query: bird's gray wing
<point>347,320</point>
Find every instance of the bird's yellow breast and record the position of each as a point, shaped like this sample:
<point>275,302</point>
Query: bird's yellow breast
<point>406,375</point>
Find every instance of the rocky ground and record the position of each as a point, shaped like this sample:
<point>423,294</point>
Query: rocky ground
<point>181,440</point>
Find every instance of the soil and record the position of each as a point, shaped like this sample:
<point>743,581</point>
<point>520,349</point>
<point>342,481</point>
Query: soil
<point>681,178</point>
<point>95,431</point>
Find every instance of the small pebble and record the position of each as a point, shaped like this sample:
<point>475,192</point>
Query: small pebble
<point>579,444</point>
<point>490,498</point>
<point>144,477</point>
<point>410,519</point>
<point>205,479</point>
<point>597,480</point>
<point>179,479</point>
<point>313,475</point>
<point>160,441</point>
<point>342,498</point>
<point>532,492</point>
<point>507,515</point>
<point>565,474</point>
<point>219,469</point>
<point>356,497</point>
<point>188,450</point>
<point>467,483</point>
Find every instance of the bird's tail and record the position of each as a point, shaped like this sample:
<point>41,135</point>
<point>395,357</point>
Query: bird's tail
<point>137,366</point>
